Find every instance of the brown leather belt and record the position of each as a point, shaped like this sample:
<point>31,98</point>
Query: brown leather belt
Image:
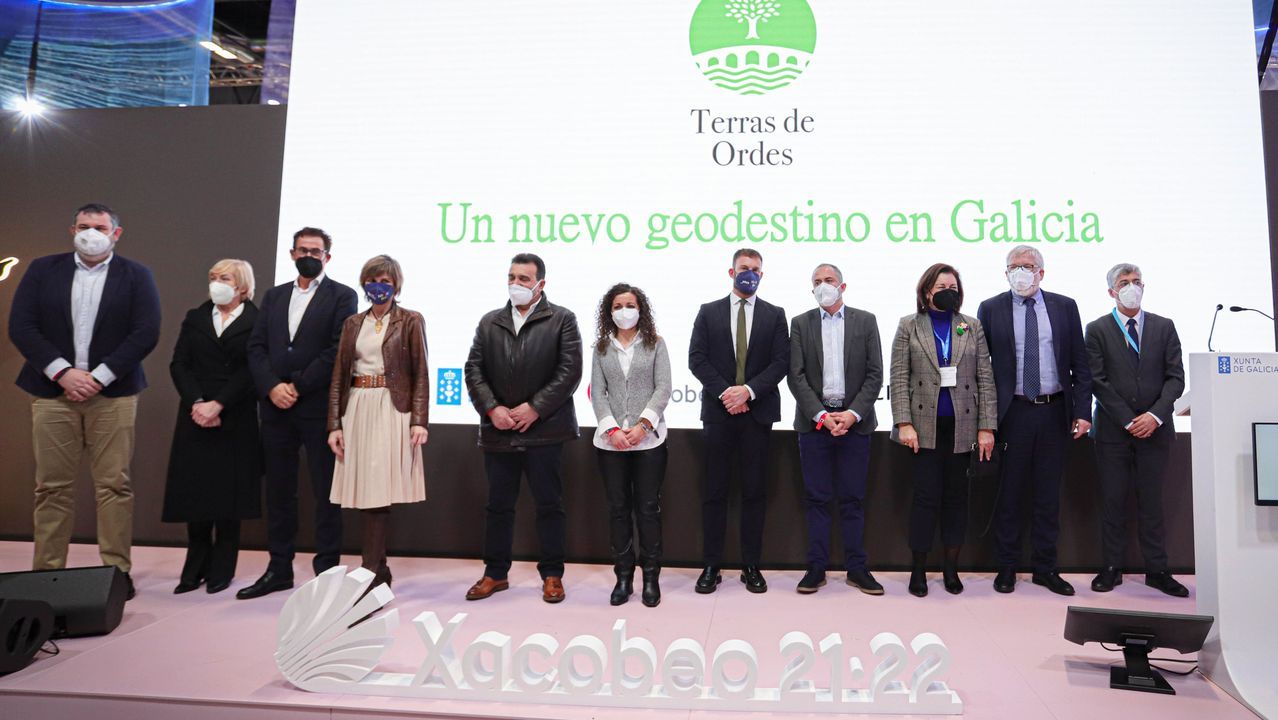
<point>368,381</point>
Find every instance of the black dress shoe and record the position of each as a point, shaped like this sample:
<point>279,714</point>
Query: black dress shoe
<point>950,579</point>
<point>753,579</point>
<point>1005,581</point>
<point>918,583</point>
<point>1054,582</point>
<point>1168,584</point>
<point>709,580</point>
<point>651,587</point>
<point>130,591</point>
<point>1107,579</point>
<point>812,580</point>
<point>186,586</point>
<point>624,588</point>
<point>864,581</point>
<point>269,582</point>
<point>216,586</point>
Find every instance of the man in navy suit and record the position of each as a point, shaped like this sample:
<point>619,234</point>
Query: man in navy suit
<point>1044,397</point>
<point>740,352</point>
<point>84,321</point>
<point>1136,375</point>
<point>291,356</point>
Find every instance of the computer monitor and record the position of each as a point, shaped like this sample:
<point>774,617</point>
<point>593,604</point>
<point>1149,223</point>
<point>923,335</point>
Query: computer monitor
<point>1264,452</point>
<point>1137,633</point>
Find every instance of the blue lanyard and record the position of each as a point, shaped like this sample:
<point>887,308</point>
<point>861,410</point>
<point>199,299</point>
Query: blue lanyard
<point>945,346</point>
<point>1123,329</point>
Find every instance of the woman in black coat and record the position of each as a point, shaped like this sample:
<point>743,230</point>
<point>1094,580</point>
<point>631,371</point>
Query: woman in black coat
<point>215,465</point>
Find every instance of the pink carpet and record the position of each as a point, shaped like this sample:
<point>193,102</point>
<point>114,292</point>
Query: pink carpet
<point>199,656</point>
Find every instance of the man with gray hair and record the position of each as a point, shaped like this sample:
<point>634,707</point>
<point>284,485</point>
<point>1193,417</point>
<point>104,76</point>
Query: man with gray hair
<point>1136,376</point>
<point>836,372</point>
<point>1044,397</point>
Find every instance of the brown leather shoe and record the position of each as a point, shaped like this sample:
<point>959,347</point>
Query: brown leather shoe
<point>485,587</point>
<point>552,590</point>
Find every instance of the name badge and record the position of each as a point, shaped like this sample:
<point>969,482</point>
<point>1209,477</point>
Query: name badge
<point>949,377</point>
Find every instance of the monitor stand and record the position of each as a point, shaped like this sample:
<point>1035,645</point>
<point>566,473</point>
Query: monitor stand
<point>1137,674</point>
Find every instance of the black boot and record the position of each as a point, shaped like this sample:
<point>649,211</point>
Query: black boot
<point>625,586</point>
<point>918,575</point>
<point>949,574</point>
<point>651,587</point>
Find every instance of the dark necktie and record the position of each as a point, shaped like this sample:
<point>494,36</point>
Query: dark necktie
<point>741,341</point>
<point>1030,381</point>
<point>1131,332</point>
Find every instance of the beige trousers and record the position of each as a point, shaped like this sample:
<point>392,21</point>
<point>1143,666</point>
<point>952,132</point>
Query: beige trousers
<point>62,432</point>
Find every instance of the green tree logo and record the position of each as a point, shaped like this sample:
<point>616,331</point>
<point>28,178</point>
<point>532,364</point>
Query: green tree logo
<point>772,49</point>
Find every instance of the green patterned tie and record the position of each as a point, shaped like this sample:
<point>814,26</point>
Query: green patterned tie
<point>741,341</point>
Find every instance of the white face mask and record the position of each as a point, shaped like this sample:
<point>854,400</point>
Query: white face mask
<point>626,318</point>
<point>1022,281</point>
<point>826,294</point>
<point>90,242</point>
<point>221,293</point>
<point>1129,296</point>
<point>520,295</point>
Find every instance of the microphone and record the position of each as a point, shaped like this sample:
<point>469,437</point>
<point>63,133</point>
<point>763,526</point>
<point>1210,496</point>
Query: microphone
<point>1219,307</point>
<point>1235,308</point>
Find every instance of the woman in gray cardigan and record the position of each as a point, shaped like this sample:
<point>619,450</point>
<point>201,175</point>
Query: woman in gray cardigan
<point>629,389</point>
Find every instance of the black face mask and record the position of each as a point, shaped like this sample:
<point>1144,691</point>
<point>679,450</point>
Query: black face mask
<point>946,300</point>
<point>309,267</point>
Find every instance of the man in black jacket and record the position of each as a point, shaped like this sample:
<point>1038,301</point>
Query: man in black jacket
<point>740,351</point>
<point>291,354</point>
<point>84,321</point>
<point>1136,377</point>
<point>523,368</point>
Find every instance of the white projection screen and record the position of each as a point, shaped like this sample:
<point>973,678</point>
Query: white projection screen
<point>653,139</point>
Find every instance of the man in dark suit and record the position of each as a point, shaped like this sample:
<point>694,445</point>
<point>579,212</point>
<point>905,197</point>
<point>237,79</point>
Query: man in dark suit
<point>291,356</point>
<point>1044,392</point>
<point>84,321</point>
<point>740,352</point>
<point>836,372</point>
<point>1136,377</point>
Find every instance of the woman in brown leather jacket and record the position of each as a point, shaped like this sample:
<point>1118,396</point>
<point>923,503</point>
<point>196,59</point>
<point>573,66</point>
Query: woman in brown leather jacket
<point>377,409</point>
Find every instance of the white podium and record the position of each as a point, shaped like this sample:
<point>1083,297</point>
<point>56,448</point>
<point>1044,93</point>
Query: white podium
<point>1235,540</point>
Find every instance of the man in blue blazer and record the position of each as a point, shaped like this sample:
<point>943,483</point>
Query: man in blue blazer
<point>740,352</point>
<point>1044,397</point>
<point>291,355</point>
<point>84,321</point>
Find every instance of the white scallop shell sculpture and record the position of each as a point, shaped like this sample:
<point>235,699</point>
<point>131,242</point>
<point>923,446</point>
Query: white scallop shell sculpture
<point>325,635</point>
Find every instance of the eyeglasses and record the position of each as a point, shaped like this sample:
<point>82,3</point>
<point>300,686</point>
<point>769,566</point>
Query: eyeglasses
<point>312,252</point>
<point>1026,266</point>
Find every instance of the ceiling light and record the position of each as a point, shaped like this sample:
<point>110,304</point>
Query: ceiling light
<point>29,106</point>
<point>217,50</point>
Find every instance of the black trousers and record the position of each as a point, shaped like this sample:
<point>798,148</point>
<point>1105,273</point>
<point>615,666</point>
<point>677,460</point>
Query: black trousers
<point>541,465</point>
<point>1122,466</point>
<point>212,550</point>
<point>742,442</point>
<point>940,492</point>
<point>835,468</point>
<point>283,436</point>
<point>1036,436</point>
<point>632,481</point>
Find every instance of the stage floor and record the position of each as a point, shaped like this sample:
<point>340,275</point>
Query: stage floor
<point>202,656</point>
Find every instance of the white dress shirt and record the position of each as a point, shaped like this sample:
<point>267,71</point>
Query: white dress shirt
<point>1140,333</point>
<point>300,300</point>
<point>734,303</point>
<point>86,298</point>
<point>519,318</point>
<point>219,326</point>
<point>833,379</point>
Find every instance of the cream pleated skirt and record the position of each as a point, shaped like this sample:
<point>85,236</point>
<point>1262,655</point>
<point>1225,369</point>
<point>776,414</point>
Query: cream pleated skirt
<point>381,466</point>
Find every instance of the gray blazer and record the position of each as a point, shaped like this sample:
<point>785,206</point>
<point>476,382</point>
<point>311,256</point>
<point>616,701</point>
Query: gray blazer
<point>626,397</point>
<point>916,381</point>
<point>1126,388</point>
<point>862,367</point>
